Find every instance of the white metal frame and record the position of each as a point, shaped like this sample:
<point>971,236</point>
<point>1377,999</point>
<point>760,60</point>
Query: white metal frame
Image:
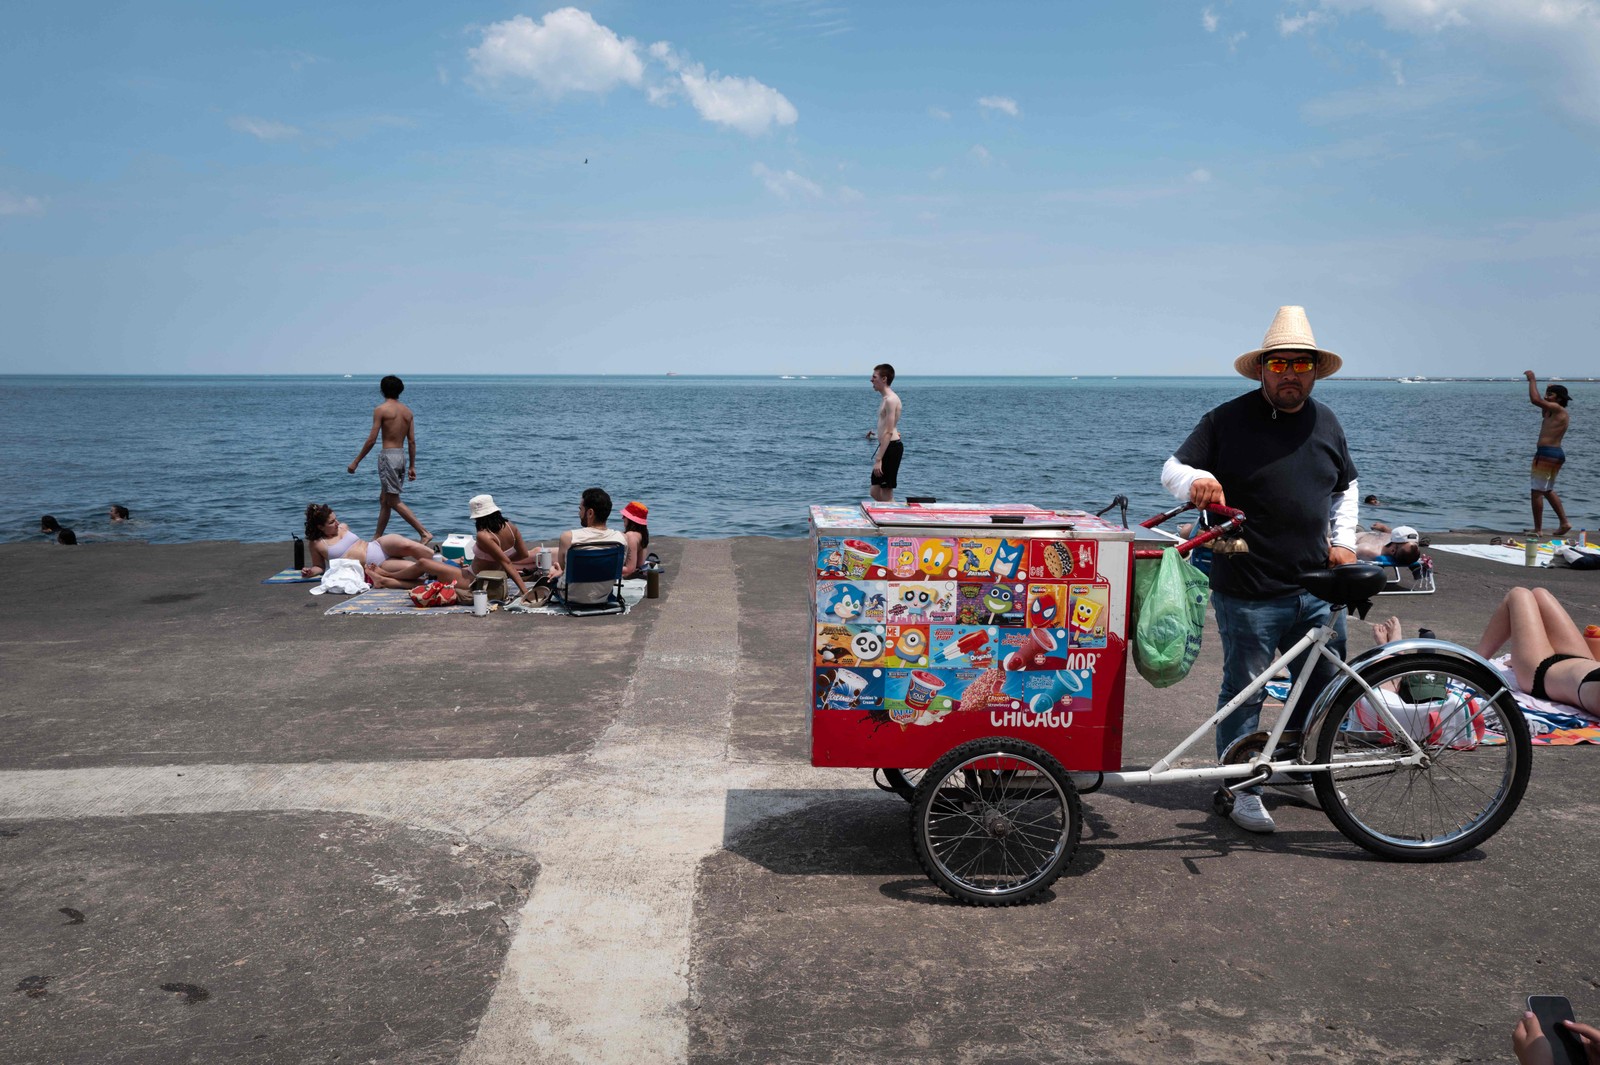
<point>1262,765</point>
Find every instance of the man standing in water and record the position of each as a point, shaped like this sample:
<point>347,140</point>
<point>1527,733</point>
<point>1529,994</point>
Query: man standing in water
<point>1548,456</point>
<point>1281,457</point>
<point>886,459</point>
<point>394,420</point>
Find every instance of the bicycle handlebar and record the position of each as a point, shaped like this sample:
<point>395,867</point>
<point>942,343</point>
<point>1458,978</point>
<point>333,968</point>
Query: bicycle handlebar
<point>1234,520</point>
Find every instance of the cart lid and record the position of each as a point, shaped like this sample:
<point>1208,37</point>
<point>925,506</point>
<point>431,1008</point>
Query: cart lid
<point>990,516</point>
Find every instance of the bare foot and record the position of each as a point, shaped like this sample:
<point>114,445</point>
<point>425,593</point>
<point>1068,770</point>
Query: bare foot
<point>379,579</point>
<point>1387,631</point>
<point>1563,530</point>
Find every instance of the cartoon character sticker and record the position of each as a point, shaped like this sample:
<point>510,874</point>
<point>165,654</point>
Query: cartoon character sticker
<point>935,558</point>
<point>1087,615</point>
<point>906,645</point>
<point>902,557</point>
<point>992,604</point>
<point>849,645</point>
<point>1046,605</point>
<point>1008,563</point>
<point>974,557</point>
<point>914,602</point>
<point>851,602</point>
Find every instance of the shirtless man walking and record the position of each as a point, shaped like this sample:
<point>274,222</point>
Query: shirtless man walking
<point>394,420</point>
<point>886,459</point>
<point>1548,457</point>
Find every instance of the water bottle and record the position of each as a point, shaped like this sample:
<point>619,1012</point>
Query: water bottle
<point>1591,636</point>
<point>1583,537</point>
<point>652,583</point>
<point>1530,553</point>
<point>299,552</point>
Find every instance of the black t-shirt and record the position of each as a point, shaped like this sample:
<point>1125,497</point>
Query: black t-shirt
<point>1282,472</point>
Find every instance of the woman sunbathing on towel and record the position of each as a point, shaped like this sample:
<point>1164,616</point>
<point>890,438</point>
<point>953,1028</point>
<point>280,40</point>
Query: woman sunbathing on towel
<point>1549,655</point>
<point>390,561</point>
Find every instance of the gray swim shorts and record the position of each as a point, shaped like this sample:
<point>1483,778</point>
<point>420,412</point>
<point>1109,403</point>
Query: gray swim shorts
<point>392,469</point>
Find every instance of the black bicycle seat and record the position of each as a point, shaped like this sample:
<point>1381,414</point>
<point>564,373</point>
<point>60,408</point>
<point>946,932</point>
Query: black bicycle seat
<point>1351,586</point>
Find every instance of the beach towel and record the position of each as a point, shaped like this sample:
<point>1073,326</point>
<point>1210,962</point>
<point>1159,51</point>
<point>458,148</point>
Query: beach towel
<point>1511,556</point>
<point>632,595</point>
<point>290,576</point>
<point>392,601</point>
<point>1551,724</point>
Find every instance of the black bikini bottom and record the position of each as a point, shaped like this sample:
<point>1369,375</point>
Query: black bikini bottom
<point>1538,691</point>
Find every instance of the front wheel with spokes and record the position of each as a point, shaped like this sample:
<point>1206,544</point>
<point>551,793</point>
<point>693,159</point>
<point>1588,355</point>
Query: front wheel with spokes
<point>1475,765</point>
<point>995,821</point>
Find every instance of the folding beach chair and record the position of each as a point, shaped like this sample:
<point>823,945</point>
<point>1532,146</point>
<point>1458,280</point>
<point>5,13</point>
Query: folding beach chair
<point>1413,579</point>
<point>593,564</point>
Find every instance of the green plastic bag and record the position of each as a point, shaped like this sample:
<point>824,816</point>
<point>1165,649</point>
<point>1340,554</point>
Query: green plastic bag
<point>1169,611</point>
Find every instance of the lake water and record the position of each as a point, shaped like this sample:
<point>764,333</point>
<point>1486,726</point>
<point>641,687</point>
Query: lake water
<point>238,458</point>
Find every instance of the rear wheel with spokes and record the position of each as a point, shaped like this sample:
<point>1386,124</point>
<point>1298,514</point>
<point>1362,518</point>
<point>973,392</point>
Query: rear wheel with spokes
<point>1477,757</point>
<point>995,822</point>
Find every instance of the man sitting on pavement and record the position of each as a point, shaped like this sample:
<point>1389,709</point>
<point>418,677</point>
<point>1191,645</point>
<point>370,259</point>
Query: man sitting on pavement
<point>593,511</point>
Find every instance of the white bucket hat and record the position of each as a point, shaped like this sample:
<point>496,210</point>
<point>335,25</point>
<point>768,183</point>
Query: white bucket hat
<point>1290,331</point>
<point>481,506</point>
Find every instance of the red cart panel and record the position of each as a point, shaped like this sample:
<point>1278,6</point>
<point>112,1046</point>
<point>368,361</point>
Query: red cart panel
<point>940,624</point>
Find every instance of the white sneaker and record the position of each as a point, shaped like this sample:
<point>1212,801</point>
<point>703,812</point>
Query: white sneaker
<point>1302,791</point>
<point>1250,815</point>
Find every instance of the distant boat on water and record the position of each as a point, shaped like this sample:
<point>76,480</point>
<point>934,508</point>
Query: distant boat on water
<point>1418,380</point>
<point>347,377</point>
<point>786,377</point>
<point>672,373</point>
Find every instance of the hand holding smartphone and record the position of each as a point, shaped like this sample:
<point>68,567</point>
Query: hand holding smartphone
<point>1550,1010</point>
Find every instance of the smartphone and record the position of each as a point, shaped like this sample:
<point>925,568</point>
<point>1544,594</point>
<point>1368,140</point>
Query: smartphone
<point>1564,1045</point>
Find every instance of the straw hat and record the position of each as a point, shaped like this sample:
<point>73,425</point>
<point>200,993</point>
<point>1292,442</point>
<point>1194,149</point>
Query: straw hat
<point>636,512</point>
<point>481,506</point>
<point>1290,331</point>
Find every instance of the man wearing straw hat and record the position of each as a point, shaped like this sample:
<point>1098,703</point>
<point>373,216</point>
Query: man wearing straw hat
<point>1281,457</point>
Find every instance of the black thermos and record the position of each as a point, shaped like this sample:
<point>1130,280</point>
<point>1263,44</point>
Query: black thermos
<point>299,552</point>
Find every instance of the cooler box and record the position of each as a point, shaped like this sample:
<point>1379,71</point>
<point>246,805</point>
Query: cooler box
<point>457,547</point>
<point>934,625</point>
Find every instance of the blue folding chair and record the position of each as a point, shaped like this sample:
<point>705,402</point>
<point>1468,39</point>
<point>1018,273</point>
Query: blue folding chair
<point>594,564</point>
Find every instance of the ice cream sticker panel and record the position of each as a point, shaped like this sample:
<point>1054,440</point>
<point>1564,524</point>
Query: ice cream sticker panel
<point>925,637</point>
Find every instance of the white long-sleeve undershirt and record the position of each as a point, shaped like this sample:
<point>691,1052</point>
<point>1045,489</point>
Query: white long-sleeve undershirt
<point>1343,508</point>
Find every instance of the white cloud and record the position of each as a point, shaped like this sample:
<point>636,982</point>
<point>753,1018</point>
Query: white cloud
<point>1000,103</point>
<point>744,104</point>
<point>566,51</point>
<point>12,204</point>
<point>981,154</point>
<point>1555,42</point>
<point>264,129</point>
<point>1289,25</point>
<point>787,185</point>
<point>1208,19</point>
<point>939,113</point>
<point>1199,176</point>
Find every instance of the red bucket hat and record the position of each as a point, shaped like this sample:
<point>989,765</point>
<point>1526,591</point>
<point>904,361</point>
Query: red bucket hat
<point>636,512</point>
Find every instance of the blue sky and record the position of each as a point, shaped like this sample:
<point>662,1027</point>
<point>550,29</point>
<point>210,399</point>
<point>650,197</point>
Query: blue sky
<point>797,186</point>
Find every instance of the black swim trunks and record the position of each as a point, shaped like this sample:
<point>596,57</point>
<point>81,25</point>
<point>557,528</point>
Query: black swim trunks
<point>891,466</point>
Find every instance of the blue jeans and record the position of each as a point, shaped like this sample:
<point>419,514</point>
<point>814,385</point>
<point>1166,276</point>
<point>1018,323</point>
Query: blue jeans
<point>1254,632</point>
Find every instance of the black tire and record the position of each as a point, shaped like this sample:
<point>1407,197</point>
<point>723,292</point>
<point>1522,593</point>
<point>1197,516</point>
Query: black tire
<point>995,836</point>
<point>1460,796</point>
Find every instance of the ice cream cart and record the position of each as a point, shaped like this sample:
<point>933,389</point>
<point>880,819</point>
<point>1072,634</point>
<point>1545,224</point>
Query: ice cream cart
<point>987,645</point>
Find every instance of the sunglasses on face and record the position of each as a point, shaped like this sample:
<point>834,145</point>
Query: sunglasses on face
<point>1300,363</point>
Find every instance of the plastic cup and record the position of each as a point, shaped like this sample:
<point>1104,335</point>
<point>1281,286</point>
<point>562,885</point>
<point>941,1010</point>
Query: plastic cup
<point>858,556</point>
<point>1530,554</point>
<point>923,687</point>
